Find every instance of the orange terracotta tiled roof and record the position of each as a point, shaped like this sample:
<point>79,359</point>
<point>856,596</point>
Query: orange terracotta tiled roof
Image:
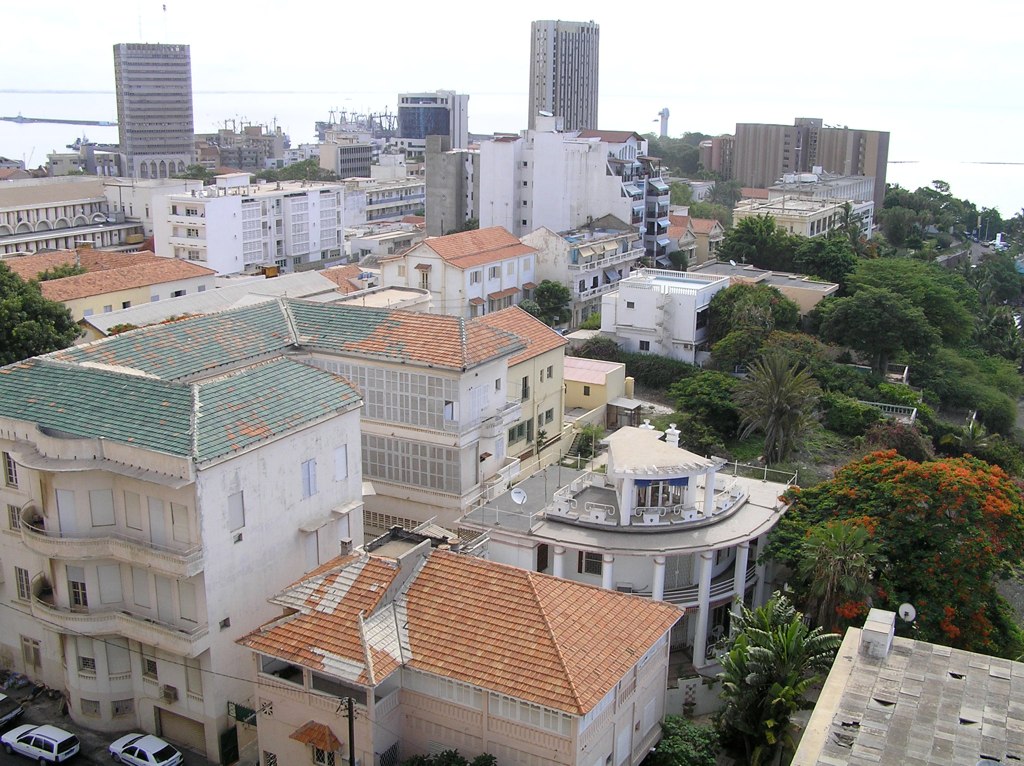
<point>318,735</point>
<point>30,266</point>
<point>418,220</point>
<point>508,292</point>
<point>469,249</point>
<point>538,337</point>
<point>155,272</point>
<point>611,136</point>
<point>539,638</point>
<point>331,601</point>
<point>344,277</point>
<point>704,225</point>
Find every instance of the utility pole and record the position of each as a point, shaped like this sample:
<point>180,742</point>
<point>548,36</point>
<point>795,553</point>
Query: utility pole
<point>351,734</point>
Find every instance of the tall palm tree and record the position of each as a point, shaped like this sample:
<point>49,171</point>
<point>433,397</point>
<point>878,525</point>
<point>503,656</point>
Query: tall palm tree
<point>772,661</point>
<point>778,397</point>
<point>838,561</point>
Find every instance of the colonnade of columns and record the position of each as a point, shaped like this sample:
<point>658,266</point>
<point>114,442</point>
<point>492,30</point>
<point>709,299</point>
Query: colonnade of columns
<point>704,574</point>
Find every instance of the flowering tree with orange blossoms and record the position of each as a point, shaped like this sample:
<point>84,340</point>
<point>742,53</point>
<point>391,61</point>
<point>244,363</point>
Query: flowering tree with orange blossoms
<point>947,529</point>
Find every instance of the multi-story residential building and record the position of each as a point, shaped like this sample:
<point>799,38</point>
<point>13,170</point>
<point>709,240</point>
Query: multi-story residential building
<point>238,227</point>
<point>805,292</point>
<point>684,241</point>
<point>716,155</point>
<point>62,214</point>
<point>405,650</point>
<point>564,64</point>
<point>137,198</point>
<point>149,478</point>
<point>387,200</point>
<point>368,244</point>
<point>86,158</point>
<point>112,280</point>
<point>536,374</point>
<point>247,149</point>
<point>347,157</point>
<point>468,274</point>
<point>154,108</point>
<point>589,260</point>
<point>561,180</point>
<point>764,153</point>
<point>442,113</point>
<point>708,234</point>
<point>453,186</point>
<point>662,312</point>
<point>858,191</point>
<point>797,215</point>
<point>660,522</point>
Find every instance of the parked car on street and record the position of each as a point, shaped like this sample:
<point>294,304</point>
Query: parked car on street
<point>46,744</point>
<point>144,750</point>
<point>9,710</point>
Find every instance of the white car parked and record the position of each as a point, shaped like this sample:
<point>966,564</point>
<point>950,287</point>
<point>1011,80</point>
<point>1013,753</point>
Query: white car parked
<point>46,744</point>
<point>144,750</point>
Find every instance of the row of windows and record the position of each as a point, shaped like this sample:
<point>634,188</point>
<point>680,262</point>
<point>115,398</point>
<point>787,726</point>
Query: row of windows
<point>510,708</point>
<point>417,465</point>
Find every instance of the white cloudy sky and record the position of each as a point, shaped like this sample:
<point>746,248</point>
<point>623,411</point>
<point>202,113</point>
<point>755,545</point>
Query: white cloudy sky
<point>945,78</point>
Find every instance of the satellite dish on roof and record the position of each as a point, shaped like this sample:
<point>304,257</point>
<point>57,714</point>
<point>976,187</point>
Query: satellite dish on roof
<point>732,262</point>
<point>518,495</point>
<point>907,612</point>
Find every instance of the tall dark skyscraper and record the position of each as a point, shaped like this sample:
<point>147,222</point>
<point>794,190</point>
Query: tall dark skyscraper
<point>154,108</point>
<point>563,72</point>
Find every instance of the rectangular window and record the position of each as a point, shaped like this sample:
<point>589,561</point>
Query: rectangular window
<point>31,652</point>
<point>323,757</point>
<point>24,582</point>
<point>126,304</point>
<point>76,587</point>
<point>583,285</point>
<point>586,390</point>
<point>589,563</point>
<point>525,392</point>
<point>177,293</point>
<point>193,677</point>
<point>108,308</point>
<point>269,759</point>
<point>645,345</point>
<point>341,462</point>
<point>119,659</point>
<point>424,280</point>
<point>133,510</point>
<point>13,517</point>
<point>86,657</point>
<point>179,523</point>
<point>511,268</point>
<point>121,708</point>
<point>149,669</point>
<point>91,708</point>
<point>140,587</point>
<point>630,304</point>
<point>494,272</point>
<point>109,576</point>
<point>236,511</point>
<point>549,415</point>
<point>101,506</point>
<point>309,478</point>
<point>475,277</point>
<point>10,470</point>
<point>551,371</point>
<point>187,600</point>
<point>702,318</point>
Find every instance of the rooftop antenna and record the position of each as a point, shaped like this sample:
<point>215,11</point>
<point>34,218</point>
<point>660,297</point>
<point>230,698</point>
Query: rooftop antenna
<point>907,612</point>
<point>519,496</point>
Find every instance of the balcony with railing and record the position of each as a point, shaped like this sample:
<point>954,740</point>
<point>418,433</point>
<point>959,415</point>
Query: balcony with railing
<point>99,543</point>
<point>508,414</point>
<point>114,620</point>
<point>607,260</point>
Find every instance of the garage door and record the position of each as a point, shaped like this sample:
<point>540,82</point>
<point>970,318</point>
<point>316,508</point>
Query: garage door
<point>181,730</point>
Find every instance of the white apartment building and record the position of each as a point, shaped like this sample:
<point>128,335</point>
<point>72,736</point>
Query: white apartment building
<point>149,478</point>
<point>238,227</point>
<point>590,260</point>
<point>662,312</point>
<point>661,522</point>
<point>438,650</point>
<point>387,200</point>
<point>808,217</point>
<point>62,214</point>
<point>139,198</point>
<point>468,274</point>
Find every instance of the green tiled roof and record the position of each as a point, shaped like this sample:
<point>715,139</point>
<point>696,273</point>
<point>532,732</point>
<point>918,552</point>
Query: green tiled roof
<point>231,412</point>
<point>194,346</point>
<point>262,401</point>
<point>95,403</point>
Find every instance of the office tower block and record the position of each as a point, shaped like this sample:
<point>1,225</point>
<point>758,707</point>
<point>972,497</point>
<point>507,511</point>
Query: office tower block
<point>563,72</point>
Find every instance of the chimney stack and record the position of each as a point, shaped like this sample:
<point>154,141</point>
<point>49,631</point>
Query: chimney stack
<point>877,634</point>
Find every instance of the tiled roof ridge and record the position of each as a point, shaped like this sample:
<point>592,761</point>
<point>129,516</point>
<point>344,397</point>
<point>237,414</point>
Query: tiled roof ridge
<point>52,359</point>
<point>464,342</point>
<point>285,306</point>
<point>193,422</point>
<point>367,657</point>
<point>554,640</point>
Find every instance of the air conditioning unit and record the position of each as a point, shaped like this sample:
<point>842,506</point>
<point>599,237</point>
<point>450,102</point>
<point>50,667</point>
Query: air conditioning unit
<point>169,693</point>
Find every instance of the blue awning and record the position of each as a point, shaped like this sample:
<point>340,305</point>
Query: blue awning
<point>612,275</point>
<point>663,241</point>
<point>679,482</point>
<point>658,184</point>
<point>642,482</point>
<point>663,260</point>
<point>663,222</point>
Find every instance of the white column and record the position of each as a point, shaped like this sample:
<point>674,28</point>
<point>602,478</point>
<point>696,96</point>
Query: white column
<point>709,491</point>
<point>559,567</point>
<point>700,638</point>
<point>739,577</point>
<point>626,500</point>
<point>658,589</point>
<point>761,572</point>
<point>607,571</point>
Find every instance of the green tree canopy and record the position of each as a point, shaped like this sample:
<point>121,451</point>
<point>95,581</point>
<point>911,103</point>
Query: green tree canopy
<point>709,395</point>
<point>831,258</point>
<point>29,323</point>
<point>878,323</point>
<point>709,210</point>
<point>553,299</point>
<point>198,173</point>
<point>772,661</point>
<point>750,307</point>
<point>59,272</point>
<point>758,240</point>
<point>684,743</point>
<point>779,399</point>
<point>949,527</point>
<point>838,561</point>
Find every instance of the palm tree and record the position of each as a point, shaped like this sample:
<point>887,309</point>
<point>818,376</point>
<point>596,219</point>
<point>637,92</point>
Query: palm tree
<point>777,397</point>
<point>838,561</point>
<point>772,661</point>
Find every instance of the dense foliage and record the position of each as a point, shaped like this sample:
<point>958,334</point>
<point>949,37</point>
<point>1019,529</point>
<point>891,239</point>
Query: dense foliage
<point>552,299</point>
<point>779,399</point>
<point>684,743</point>
<point>772,660</point>
<point>29,323</point>
<point>949,529</point>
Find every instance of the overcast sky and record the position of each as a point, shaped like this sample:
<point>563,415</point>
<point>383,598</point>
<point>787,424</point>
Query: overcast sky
<point>944,78</point>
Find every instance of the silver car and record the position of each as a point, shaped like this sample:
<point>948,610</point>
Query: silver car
<point>46,744</point>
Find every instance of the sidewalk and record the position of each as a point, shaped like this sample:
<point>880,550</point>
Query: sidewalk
<point>43,710</point>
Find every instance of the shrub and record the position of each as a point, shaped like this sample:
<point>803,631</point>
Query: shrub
<point>847,416</point>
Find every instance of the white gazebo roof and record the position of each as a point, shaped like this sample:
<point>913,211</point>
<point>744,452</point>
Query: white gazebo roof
<point>639,452</point>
